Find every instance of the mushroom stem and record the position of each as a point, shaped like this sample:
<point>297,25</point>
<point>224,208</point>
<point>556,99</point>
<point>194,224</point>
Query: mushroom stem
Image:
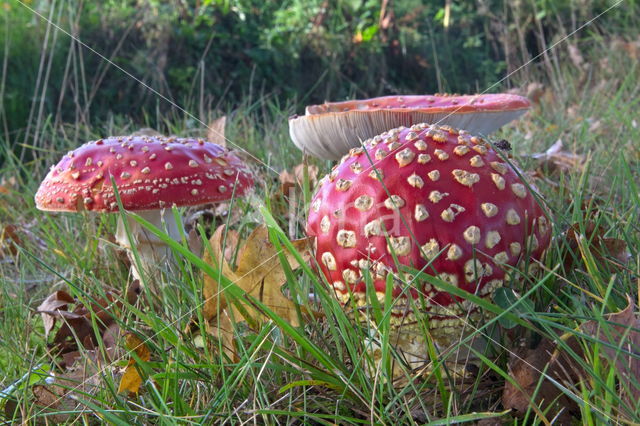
<point>154,253</point>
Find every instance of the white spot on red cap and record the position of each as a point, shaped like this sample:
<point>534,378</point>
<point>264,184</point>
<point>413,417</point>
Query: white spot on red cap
<point>513,218</point>
<point>346,238</point>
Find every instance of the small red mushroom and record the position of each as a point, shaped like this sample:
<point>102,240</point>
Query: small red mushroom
<point>438,199</point>
<point>151,174</point>
<point>328,131</point>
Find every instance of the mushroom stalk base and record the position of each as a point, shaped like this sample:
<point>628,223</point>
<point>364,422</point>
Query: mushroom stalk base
<point>155,255</point>
<point>412,347</point>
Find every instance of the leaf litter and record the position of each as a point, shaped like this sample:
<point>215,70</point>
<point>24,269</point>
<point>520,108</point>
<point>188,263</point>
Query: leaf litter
<point>538,373</point>
<point>258,272</point>
<point>81,361</point>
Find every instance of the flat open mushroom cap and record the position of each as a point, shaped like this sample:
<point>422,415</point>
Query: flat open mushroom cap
<point>330,130</point>
<point>149,172</point>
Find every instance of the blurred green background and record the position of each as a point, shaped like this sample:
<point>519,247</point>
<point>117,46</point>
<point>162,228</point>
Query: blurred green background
<point>210,54</point>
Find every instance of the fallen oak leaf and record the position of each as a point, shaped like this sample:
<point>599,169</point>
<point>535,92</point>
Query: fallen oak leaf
<point>259,273</point>
<point>622,330</point>
<point>57,396</point>
<point>131,380</point>
<point>54,401</point>
<point>50,309</point>
<point>611,251</point>
<point>78,323</point>
<point>110,338</point>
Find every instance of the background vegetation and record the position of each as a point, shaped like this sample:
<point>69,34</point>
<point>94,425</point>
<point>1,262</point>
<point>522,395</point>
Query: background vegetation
<point>212,54</point>
<point>258,63</point>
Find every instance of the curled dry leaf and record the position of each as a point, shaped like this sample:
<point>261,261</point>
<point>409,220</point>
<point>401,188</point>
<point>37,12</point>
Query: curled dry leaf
<point>59,395</point>
<point>216,131</point>
<point>289,181</point>
<point>50,309</point>
<point>610,251</point>
<point>620,348</point>
<point>623,332</point>
<point>258,272</point>
<point>77,330</point>
<point>556,160</point>
<point>526,367</point>
<point>55,401</point>
<point>131,380</point>
<point>286,203</point>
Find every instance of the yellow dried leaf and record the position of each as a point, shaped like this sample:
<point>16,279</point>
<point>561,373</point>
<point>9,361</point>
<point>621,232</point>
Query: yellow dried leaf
<point>215,131</point>
<point>259,273</point>
<point>131,380</point>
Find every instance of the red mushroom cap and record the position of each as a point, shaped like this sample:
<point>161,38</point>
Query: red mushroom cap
<point>428,194</point>
<point>149,172</point>
<point>330,130</point>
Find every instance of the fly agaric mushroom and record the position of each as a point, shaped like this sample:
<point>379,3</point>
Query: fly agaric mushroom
<point>328,131</point>
<point>151,174</point>
<point>438,199</point>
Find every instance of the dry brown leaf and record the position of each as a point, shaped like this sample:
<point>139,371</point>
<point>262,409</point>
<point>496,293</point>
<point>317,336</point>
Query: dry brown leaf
<point>9,241</point>
<point>624,332</point>
<point>555,160</point>
<point>59,393</point>
<point>77,330</point>
<point>209,216</point>
<point>535,91</point>
<point>610,251</point>
<point>222,328</point>
<point>131,380</point>
<point>259,273</point>
<point>53,399</point>
<point>289,181</point>
<point>216,131</point>
<point>526,368</point>
<point>50,309</point>
<point>78,323</point>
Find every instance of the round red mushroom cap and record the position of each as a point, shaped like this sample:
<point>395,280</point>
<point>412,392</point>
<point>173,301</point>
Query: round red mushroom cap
<point>460,104</point>
<point>330,130</point>
<point>149,172</point>
<point>436,198</point>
